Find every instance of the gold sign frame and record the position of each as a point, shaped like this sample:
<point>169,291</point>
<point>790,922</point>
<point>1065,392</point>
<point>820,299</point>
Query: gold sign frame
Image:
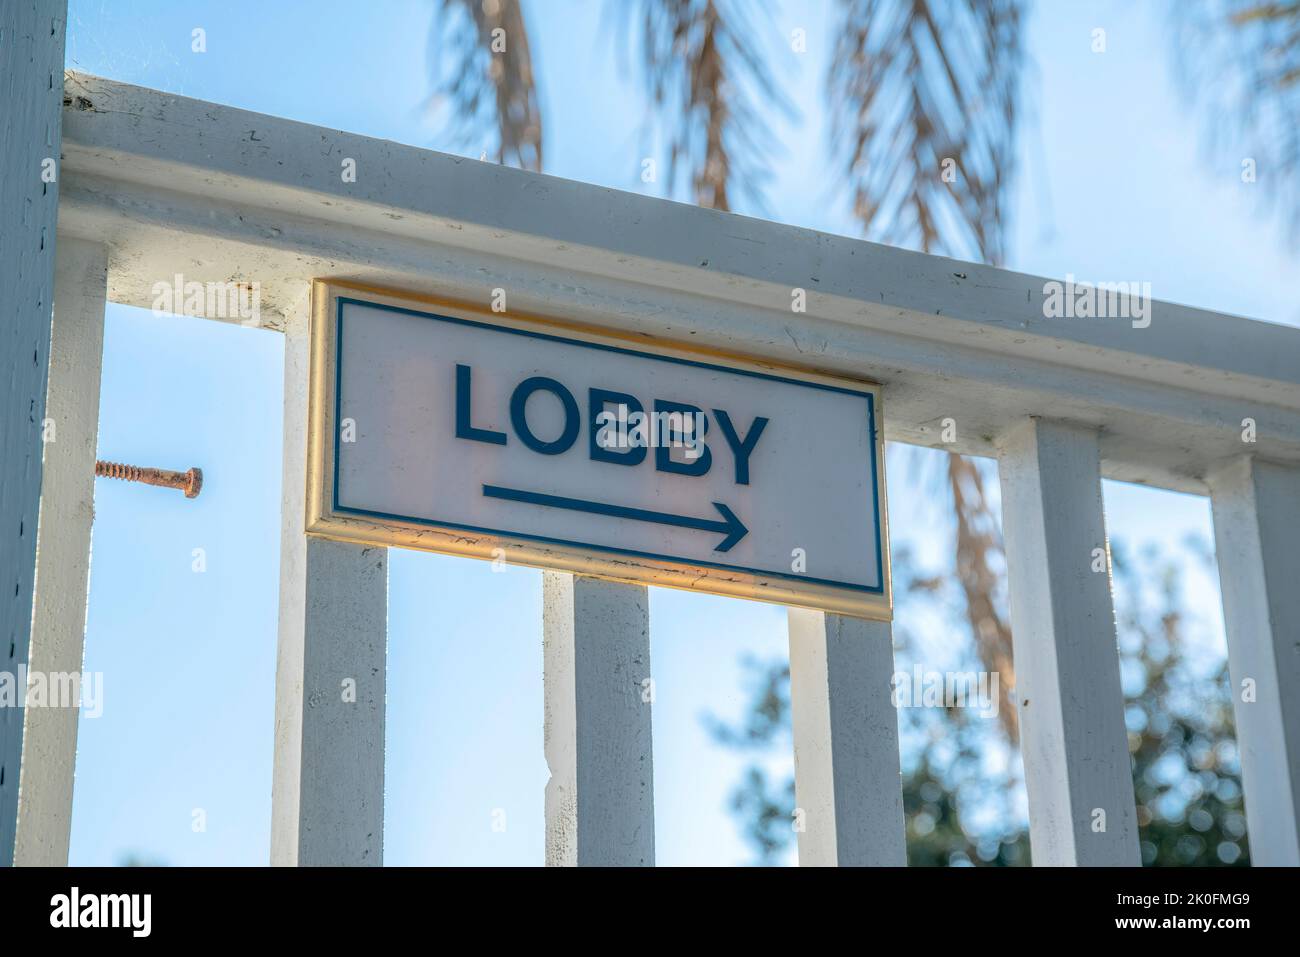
<point>324,520</point>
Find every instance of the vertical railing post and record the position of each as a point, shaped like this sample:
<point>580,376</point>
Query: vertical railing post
<point>596,661</point>
<point>1257,543</point>
<point>1078,773</point>
<point>31,89</point>
<point>63,550</point>
<point>848,789</point>
<point>327,804</point>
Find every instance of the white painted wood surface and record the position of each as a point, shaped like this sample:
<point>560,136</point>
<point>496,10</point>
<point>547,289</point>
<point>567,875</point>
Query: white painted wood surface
<point>63,548</point>
<point>327,802</point>
<point>596,661</point>
<point>31,89</point>
<point>848,788</point>
<point>1257,542</point>
<point>244,201</point>
<point>1078,774</point>
<point>257,197</point>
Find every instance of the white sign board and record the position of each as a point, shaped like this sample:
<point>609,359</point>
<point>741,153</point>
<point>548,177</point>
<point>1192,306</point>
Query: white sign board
<point>474,433</point>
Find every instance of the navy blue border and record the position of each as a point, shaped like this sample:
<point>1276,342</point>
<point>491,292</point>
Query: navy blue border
<point>871,424</point>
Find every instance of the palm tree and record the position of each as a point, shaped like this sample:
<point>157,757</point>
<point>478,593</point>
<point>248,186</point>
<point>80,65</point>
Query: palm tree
<point>487,77</point>
<point>1240,61</point>
<point>923,97</point>
<point>924,103</point>
<point>924,100</point>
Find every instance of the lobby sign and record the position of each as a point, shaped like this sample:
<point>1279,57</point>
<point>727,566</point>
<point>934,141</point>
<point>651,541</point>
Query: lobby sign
<point>529,441</point>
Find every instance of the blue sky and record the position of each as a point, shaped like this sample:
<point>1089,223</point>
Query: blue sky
<point>1114,186</point>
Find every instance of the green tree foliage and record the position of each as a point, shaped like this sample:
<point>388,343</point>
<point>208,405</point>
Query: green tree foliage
<point>963,808</point>
<point>1186,773</point>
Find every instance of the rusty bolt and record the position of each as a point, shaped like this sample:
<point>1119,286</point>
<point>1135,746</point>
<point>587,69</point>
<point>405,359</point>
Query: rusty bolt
<point>190,482</point>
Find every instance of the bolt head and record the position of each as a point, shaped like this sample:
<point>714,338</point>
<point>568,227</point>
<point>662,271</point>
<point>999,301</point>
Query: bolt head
<point>193,483</point>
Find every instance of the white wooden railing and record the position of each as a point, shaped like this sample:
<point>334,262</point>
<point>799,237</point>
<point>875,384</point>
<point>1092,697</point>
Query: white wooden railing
<point>152,185</point>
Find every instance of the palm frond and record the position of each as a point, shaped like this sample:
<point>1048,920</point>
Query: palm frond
<point>920,88</point>
<point>1240,59</point>
<point>924,99</point>
<point>981,572</point>
<point>483,69</point>
<point>705,77</point>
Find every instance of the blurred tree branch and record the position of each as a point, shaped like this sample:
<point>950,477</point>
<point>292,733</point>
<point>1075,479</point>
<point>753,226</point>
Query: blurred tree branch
<point>924,107</point>
<point>703,73</point>
<point>485,72</point>
<point>923,104</point>
<point>1240,59</point>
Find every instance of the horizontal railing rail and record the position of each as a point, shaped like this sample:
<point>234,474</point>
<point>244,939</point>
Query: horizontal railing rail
<point>176,185</point>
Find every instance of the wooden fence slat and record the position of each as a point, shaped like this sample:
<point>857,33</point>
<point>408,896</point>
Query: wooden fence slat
<point>63,549</point>
<point>1257,542</point>
<point>1078,774</point>
<point>596,660</point>
<point>327,804</point>
<point>31,89</point>
<point>847,787</point>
